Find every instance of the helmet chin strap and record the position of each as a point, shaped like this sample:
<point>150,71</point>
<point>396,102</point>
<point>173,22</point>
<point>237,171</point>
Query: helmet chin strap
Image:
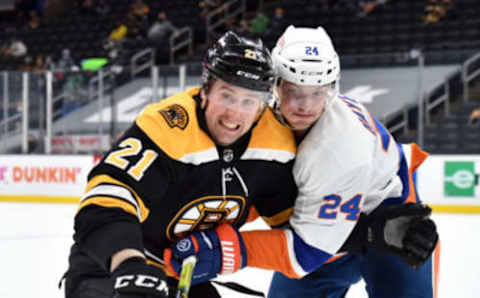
<point>204,98</point>
<point>278,113</point>
<point>275,104</point>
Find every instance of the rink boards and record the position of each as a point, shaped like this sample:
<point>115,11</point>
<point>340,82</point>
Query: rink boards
<point>448,183</point>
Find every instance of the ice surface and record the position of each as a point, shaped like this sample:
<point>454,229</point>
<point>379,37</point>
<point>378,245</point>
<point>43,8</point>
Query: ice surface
<point>35,241</point>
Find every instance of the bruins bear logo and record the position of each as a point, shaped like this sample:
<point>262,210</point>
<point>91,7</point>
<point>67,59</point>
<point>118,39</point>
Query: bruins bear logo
<point>205,213</point>
<point>176,116</point>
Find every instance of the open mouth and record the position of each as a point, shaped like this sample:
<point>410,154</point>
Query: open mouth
<point>229,125</point>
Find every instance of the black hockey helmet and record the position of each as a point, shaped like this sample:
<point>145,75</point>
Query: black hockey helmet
<point>239,61</point>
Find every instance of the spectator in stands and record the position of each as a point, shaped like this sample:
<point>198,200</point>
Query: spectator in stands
<point>39,65</point>
<point>161,30</point>
<point>436,10</point>
<point>27,64</point>
<point>15,50</point>
<point>159,36</point>
<point>474,119</point>
<point>135,26</point>
<point>34,20</point>
<point>278,22</point>
<point>49,63</point>
<point>124,35</point>
<point>138,19</point>
<point>66,62</point>
<point>259,24</point>
<point>119,32</point>
<point>140,9</point>
<point>73,93</point>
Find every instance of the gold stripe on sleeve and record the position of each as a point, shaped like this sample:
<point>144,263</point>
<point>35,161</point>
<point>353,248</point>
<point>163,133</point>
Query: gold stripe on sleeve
<point>109,202</point>
<point>101,179</point>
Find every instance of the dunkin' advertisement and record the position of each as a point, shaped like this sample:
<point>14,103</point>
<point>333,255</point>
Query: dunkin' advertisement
<point>43,178</point>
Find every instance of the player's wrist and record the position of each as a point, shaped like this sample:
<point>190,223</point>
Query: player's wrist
<point>124,255</point>
<point>135,278</point>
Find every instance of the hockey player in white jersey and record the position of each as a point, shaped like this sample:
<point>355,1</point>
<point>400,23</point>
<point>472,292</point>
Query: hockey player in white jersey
<point>356,191</point>
<point>347,163</point>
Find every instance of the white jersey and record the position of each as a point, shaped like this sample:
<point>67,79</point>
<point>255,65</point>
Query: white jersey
<point>346,164</point>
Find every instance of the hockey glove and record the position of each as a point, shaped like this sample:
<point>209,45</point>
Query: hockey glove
<point>404,230</point>
<point>218,251</point>
<point>134,278</point>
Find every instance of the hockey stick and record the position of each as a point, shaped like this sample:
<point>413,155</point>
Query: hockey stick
<point>186,275</point>
<point>238,287</point>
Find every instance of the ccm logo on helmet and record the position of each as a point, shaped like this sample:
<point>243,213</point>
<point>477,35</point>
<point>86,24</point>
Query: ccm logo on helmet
<point>248,75</point>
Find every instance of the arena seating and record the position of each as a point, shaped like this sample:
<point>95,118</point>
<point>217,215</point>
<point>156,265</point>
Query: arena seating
<point>361,42</point>
<point>451,134</point>
<point>393,27</point>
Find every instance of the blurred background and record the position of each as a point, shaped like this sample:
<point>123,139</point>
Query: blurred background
<point>75,73</point>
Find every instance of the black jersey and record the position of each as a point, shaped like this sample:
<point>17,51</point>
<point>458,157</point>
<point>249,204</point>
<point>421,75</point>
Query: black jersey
<point>166,177</point>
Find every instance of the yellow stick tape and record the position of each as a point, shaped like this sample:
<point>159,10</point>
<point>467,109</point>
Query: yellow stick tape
<point>186,274</point>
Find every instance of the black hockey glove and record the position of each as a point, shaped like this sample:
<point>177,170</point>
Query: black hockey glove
<point>404,230</point>
<point>134,278</point>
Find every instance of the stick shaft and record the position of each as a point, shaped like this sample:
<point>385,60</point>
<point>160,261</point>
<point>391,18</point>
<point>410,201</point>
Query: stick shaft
<point>188,265</point>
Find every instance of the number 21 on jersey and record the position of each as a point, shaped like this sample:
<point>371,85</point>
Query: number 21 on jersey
<point>131,147</point>
<point>332,205</point>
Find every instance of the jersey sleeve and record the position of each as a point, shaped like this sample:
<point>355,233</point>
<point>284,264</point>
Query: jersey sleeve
<point>275,205</point>
<point>119,190</point>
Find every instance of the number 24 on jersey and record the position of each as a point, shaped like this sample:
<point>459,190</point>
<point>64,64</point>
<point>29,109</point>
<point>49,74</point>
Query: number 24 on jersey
<point>333,205</point>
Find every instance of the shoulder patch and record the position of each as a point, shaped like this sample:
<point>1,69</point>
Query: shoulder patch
<point>189,143</point>
<point>175,115</point>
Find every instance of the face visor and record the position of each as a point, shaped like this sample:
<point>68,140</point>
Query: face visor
<point>300,93</point>
<point>251,101</point>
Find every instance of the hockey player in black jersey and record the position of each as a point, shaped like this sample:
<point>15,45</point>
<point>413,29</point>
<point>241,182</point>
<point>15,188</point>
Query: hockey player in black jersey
<point>206,156</point>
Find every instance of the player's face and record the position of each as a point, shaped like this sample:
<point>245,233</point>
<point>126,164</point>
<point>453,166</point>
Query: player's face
<point>301,105</point>
<point>231,111</point>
